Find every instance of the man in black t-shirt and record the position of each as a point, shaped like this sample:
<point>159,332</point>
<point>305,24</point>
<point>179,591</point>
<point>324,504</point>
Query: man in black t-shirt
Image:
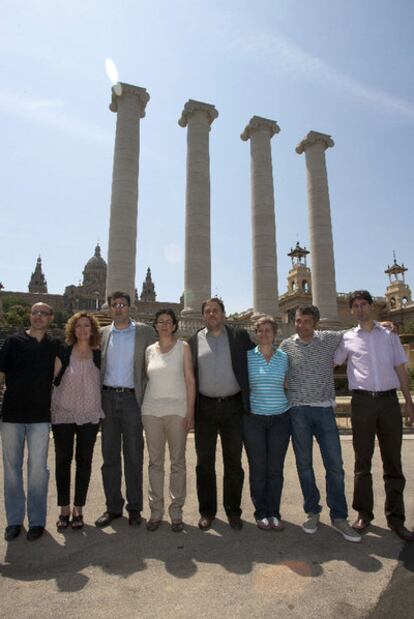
<point>27,362</point>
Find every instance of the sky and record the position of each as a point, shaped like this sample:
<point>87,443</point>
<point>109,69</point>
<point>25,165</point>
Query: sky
<point>342,68</point>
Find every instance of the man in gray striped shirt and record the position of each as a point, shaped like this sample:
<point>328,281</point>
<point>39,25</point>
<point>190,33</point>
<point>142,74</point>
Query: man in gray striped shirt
<point>311,394</point>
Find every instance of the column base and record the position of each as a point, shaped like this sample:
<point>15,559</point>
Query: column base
<point>328,324</point>
<point>189,324</point>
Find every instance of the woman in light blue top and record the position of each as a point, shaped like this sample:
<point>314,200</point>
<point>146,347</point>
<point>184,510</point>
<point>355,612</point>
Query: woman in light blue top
<point>266,431</point>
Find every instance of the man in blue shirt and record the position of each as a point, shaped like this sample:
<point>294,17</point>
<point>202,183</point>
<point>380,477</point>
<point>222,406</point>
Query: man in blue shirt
<point>123,345</point>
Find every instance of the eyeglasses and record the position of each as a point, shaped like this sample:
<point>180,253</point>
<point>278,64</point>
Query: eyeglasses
<point>165,322</point>
<point>118,305</point>
<point>41,313</point>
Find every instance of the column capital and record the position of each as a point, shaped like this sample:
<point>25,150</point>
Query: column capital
<point>121,90</point>
<point>314,137</point>
<point>193,106</point>
<point>256,123</point>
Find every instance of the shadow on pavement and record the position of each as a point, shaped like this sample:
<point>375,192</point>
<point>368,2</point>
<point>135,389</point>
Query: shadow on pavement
<point>121,550</point>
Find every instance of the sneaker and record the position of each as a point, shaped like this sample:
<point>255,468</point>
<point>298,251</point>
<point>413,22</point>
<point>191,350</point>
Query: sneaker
<point>263,524</point>
<point>343,527</point>
<point>311,524</point>
<point>276,524</point>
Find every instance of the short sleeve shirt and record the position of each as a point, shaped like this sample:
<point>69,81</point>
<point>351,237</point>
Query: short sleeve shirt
<point>372,358</point>
<point>266,382</point>
<point>29,366</point>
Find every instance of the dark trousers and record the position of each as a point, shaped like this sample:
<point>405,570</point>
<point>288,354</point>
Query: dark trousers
<point>122,430</point>
<point>224,418</point>
<point>382,417</point>
<point>266,438</point>
<point>64,436</point>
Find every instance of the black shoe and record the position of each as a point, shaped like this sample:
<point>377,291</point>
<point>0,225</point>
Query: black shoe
<point>205,522</point>
<point>402,532</point>
<point>34,533</point>
<point>134,517</point>
<point>12,531</point>
<point>106,519</point>
<point>235,522</point>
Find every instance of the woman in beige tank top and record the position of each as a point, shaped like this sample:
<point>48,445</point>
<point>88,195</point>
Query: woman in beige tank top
<point>167,416</point>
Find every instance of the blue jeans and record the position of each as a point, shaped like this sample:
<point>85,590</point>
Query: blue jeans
<point>307,422</point>
<point>266,438</point>
<point>14,436</point>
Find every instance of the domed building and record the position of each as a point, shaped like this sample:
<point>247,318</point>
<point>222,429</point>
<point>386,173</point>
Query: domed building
<point>90,295</point>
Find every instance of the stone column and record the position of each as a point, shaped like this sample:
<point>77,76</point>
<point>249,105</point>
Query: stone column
<point>197,117</point>
<point>320,227</point>
<point>130,108</point>
<point>265,291</point>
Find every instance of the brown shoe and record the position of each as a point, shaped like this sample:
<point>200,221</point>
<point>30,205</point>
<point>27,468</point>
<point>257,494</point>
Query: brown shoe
<point>177,526</point>
<point>403,532</point>
<point>360,524</point>
<point>205,523</point>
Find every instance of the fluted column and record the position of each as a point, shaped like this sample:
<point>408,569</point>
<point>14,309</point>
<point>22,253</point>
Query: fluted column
<point>320,227</point>
<point>197,117</point>
<point>130,108</point>
<point>265,290</point>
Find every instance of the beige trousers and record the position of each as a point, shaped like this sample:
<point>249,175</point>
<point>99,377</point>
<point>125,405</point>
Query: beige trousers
<point>158,432</point>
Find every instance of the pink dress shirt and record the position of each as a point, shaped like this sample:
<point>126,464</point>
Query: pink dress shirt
<point>372,357</point>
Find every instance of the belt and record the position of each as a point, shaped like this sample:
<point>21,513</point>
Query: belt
<point>226,398</point>
<point>118,389</point>
<point>375,394</point>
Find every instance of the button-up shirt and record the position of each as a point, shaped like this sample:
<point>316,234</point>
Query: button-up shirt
<point>372,357</point>
<point>119,369</point>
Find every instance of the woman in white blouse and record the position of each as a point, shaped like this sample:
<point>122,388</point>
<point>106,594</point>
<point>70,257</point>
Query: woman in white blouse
<point>167,416</point>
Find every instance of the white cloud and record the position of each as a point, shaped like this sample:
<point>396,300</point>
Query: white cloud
<point>51,113</point>
<point>279,50</point>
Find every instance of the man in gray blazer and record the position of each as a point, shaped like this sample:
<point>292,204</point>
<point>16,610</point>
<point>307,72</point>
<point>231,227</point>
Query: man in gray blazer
<point>123,345</point>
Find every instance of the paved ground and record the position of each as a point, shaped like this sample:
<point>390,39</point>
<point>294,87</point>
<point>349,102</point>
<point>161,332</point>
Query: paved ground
<point>128,572</point>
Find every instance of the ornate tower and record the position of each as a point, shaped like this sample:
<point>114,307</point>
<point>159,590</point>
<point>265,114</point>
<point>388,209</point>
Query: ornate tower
<point>299,276</point>
<point>38,281</point>
<point>148,288</point>
<point>398,293</point>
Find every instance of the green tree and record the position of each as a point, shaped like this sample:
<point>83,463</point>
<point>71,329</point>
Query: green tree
<point>17,316</point>
<point>411,378</point>
<point>409,327</point>
<point>9,302</point>
<point>60,318</point>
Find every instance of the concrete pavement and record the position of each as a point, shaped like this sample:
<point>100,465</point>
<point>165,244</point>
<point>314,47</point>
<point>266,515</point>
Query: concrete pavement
<point>128,572</point>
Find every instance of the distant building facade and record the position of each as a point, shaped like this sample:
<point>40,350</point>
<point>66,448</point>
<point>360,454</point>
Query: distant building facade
<point>88,295</point>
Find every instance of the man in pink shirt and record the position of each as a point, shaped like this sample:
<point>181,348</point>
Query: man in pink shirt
<point>376,369</point>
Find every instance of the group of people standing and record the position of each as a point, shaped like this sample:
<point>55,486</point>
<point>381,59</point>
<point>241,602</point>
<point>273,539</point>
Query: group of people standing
<point>129,377</point>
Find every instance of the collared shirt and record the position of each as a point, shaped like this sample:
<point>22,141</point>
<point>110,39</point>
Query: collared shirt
<point>28,365</point>
<point>215,370</point>
<point>372,357</point>
<point>310,374</point>
<point>119,369</point>
<point>266,381</point>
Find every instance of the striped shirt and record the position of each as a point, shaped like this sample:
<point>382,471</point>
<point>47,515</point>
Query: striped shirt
<point>266,382</point>
<point>311,364</point>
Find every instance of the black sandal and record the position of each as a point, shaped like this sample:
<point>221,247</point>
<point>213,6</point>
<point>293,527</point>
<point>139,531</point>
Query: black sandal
<point>77,521</point>
<point>63,522</point>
